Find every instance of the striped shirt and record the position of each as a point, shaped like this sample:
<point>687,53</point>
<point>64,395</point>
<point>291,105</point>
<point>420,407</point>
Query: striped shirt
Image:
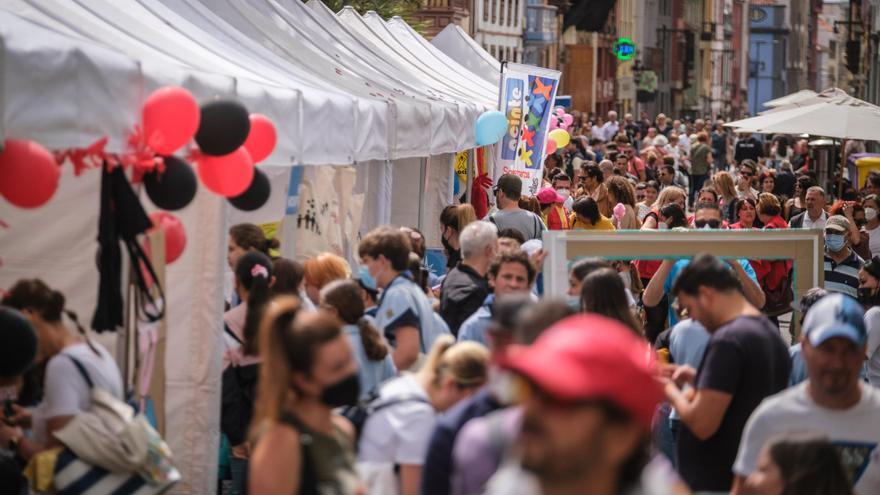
<point>843,277</point>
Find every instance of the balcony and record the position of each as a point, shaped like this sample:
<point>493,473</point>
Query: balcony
<point>541,25</point>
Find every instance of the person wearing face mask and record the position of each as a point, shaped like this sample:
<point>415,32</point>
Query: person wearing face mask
<point>872,223</point>
<point>562,184</point>
<point>453,219</point>
<point>395,438</point>
<point>869,296</point>
<point>404,314</point>
<point>308,370</point>
<point>859,240</point>
<point>842,264</point>
<point>706,216</point>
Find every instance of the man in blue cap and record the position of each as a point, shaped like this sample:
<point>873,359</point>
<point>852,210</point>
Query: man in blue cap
<point>833,401</point>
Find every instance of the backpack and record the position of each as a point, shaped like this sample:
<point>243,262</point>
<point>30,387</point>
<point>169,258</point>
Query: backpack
<point>360,412</point>
<point>778,301</point>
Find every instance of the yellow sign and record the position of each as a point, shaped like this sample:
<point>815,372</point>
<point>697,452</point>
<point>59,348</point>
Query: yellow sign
<point>461,163</point>
<point>271,231</point>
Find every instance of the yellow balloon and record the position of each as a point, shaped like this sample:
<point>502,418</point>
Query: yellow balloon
<point>561,136</point>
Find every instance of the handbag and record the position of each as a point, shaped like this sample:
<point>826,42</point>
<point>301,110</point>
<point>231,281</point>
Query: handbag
<point>109,446</point>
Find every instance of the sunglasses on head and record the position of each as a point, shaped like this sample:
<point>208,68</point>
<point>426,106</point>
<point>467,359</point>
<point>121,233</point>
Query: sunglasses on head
<point>712,223</point>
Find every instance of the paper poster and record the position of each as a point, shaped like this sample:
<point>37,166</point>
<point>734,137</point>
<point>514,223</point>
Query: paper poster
<point>527,95</point>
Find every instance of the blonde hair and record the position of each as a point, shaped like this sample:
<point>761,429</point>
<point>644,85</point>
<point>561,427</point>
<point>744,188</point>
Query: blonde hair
<point>325,268</point>
<point>723,183</point>
<point>768,204</point>
<point>466,362</point>
<point>670,194</point>
<point>289,341</point>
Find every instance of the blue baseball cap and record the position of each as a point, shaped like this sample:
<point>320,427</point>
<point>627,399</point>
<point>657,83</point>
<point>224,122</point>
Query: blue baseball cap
<point>835,315</point>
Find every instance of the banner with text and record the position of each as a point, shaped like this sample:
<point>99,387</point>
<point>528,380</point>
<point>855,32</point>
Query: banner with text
<point>527,95</point>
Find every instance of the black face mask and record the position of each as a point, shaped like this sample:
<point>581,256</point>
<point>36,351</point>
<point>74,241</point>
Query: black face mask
<point>868,297</point>
<point>342,393</point>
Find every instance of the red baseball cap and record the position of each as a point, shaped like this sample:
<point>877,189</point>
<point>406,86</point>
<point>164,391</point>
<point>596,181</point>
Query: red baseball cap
<point>549,195</point>
<point>591,357</point>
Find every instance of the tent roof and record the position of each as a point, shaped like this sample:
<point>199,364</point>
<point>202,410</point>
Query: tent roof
<point>456,43</point>
<point>76,71</point>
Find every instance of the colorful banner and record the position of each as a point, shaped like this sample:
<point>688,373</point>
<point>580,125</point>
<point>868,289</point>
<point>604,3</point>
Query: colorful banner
<point>527,95</point>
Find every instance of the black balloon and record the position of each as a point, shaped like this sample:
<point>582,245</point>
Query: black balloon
<point>174,188</point>
<point>256,194</point>
<point>223,128</point>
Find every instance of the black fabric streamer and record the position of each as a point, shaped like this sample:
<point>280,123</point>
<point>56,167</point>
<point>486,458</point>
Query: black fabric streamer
<point>122,219</point>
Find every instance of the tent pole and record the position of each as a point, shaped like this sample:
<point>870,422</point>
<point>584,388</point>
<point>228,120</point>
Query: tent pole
<point>471,162</point>
<point>423,177</point>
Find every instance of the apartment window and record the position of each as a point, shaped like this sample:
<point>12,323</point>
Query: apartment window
<point>510,13</point>
<point>832,49</point>
<point>516,16</point>
<point>486,10</point>
<point>494,11</point>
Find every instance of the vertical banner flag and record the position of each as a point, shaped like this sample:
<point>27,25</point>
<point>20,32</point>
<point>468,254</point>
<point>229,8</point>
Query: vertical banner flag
<point>527,95</point>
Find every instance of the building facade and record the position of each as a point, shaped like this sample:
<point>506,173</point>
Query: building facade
<point>497,25</point>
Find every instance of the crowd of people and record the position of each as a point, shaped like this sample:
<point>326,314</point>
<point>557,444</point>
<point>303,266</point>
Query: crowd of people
<point>651,377</point>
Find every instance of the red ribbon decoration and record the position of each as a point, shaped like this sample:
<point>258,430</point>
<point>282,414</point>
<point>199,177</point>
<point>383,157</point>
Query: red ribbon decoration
<point>139,157</point>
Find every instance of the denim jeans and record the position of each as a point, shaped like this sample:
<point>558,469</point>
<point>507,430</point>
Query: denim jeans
<point>239,470</point>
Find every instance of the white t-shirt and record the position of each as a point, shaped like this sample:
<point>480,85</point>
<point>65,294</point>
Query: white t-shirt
<point>66,392</point>
<point>855,432</point>
<point>872,352</point>
<point>399,434</point>
<point>874,240</point>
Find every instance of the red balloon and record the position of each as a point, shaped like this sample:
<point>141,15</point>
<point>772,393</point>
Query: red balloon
<point>261,138</point>
<point>171,119</point>
<point>28,173</point>
<point>227,175</point>
<point>551,146</point>
<point>175,235</point>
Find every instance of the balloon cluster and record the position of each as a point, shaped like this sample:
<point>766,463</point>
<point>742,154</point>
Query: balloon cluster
<point>559,137</point>
<point>230,142</point>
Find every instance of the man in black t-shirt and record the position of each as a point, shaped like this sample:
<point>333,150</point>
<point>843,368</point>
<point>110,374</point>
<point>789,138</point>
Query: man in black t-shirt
<point>745,361</point>
<point>465,287</point>
<point>747,148</point>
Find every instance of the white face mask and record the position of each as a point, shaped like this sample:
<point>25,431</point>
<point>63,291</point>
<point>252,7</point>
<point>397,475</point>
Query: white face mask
<point>565,193</point>
<point>870,214</point>
<point>662,226</point>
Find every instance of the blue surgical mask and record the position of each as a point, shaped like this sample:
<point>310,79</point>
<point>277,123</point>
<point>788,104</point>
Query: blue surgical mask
<point>834,242</point>
<point>574,302</point>
<point>367,279</point>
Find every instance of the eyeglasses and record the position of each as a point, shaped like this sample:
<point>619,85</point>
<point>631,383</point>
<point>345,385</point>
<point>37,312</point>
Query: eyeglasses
<point>712,223</point>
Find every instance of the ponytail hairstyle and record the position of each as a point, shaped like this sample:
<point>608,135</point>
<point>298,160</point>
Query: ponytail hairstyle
<point>289,339</point>
<point>344,296</point>
<point>466,362</point>
<point>34,295</point>
<point>252,238</point>
<point>254,272</point>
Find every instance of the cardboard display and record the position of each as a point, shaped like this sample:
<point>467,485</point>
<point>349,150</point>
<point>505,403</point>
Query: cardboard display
<point>804,247</point>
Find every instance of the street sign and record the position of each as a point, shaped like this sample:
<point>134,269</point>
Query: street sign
<point>624,49</point>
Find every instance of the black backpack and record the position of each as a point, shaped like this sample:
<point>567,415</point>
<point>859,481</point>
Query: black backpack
<point>360,412</point>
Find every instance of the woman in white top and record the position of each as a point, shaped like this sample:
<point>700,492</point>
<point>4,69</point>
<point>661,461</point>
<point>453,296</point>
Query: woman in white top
<point>869,296</point>
<point>399,432</point>
<point>872,225</point>
<point>72,361</point>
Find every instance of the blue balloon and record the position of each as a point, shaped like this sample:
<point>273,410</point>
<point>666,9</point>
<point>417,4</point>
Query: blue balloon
<point>490,127</point>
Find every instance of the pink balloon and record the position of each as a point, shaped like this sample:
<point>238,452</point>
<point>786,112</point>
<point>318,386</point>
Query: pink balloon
<point>554,122</point>
<point>28,174</point>
<point>171,118</point>
<point>567,119</point>
<point>175,235</point>
<point>551,146</point>
<point>560,111</point>
<point>262,137</point>
<point>227,175</point>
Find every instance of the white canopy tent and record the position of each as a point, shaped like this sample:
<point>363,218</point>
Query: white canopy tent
<point>455,42</point>
<point>74,72</point>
